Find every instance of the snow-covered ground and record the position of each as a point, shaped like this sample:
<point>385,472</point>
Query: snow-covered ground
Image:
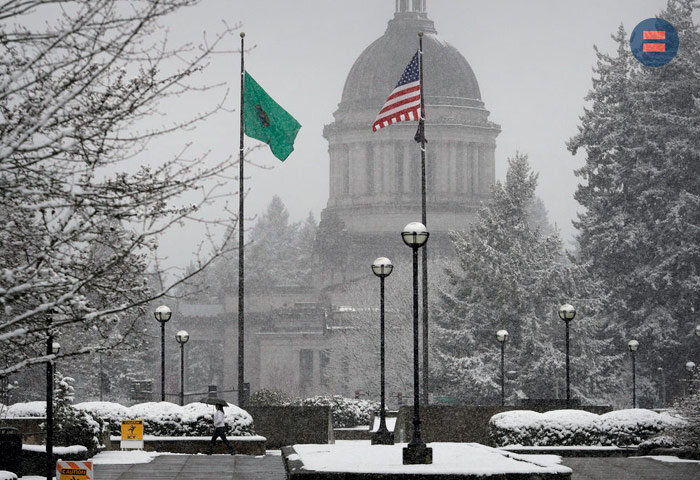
<point>114,457</point>
<point>464,458</point>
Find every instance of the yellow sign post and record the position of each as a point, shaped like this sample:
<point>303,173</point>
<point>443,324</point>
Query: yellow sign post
<point>73,470</point>
<point>132,434</point>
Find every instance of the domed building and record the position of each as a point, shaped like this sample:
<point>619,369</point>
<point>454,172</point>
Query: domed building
<point>375,176</point>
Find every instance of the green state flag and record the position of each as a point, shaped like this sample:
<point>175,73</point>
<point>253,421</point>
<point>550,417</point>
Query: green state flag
<point>265,120</point>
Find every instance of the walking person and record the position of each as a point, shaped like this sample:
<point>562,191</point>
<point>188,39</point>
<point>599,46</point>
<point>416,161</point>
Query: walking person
<point>219,430</point>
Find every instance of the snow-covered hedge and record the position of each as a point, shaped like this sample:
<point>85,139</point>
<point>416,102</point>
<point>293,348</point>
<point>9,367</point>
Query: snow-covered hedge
<point>168,419</point>
<point>25,409</point>
<point>576,427</point>
<point>346,412</point>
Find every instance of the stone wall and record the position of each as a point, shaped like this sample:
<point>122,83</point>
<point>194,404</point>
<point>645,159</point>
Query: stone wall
<point>293,424</point>
<point>468,423</point>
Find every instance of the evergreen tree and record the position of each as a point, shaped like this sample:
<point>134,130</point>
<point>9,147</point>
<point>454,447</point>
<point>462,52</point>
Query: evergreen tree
<point>641,192</point>
<point>510,275</point>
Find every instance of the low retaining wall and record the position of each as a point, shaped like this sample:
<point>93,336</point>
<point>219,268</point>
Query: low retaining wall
<point>468,423</point>
<point>34,463</point>
<point>29,427</point>
<point>287,425</point>
<point>359,433</point>
<point>252,445</point>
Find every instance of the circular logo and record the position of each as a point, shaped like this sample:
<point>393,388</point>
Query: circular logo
<point>654,42</point>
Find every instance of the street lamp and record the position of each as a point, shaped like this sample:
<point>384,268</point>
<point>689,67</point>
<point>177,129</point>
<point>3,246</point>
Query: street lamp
<point>697,330</point>
<point>382,268</point>
<point>415,235</point>
<point>662,393</point>
<point>690,368</point>
<point>502,337</point>
<point>567,313</point>
<point>182,336</point>
<point>633,345</point>
<point>162,314</point>
<point>52,348</point>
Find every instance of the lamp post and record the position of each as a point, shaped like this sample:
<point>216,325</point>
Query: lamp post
<point>633,345</point>
<point>382,268</point>
<point>567,313</point>
<point>182,336</point>
<point>502,337</point>
<point>415,235</point>
<point>52,348</point>
<point>690,368</point>
<point>162,314</point>
<point>662,393</point>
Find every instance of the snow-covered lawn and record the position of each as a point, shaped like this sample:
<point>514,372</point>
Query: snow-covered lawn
<point>448,458</point>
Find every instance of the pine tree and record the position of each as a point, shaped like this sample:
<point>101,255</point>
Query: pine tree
<point>510,275</point>
<point>641,190</point>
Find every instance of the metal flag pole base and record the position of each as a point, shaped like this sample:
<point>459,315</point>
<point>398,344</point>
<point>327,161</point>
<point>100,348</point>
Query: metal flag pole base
<point>417,455</point>
<point>382,436</point>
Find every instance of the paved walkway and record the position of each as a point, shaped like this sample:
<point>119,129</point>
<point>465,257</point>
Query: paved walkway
<point>200,467</point>
<point>270,467</point>
<point>630,469</point>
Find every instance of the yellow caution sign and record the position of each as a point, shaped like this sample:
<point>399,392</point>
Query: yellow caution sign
<point>73,470</point>
<point>132,430</point>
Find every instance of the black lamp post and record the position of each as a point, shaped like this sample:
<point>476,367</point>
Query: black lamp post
<point>382,268</point>
<point>567,313</point>
<point>415,235</point>
<point>52,348</point>
<point>162,314</point>
<point>633,345</point>
<point>662,393</point>
<point>690,368</point>
<point>182,336</point>
<point>502,337</point>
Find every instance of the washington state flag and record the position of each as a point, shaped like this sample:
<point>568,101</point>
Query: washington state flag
<point>265,120</point>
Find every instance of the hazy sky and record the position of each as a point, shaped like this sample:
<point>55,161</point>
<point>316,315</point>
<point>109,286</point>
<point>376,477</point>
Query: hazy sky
<point>533,61</point>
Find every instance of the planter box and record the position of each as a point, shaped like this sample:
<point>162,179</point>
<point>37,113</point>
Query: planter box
<point>287,425</point>
<point>251,445</point>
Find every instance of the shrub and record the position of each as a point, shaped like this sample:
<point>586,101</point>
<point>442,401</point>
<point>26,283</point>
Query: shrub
<point>73,426</point>
<point>577,428</point>
<point>166,419</point>
<point>346,412</point>
<point>269,398</point>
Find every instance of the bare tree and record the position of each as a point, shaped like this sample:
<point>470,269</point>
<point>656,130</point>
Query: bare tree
<point>81,228</point>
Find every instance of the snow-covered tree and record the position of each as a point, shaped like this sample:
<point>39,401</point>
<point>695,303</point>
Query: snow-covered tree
<point>509,275</point>
<point>80,224</point>
<point>640,187</point>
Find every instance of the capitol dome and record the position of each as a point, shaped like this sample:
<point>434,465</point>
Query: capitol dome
<point>448,78</point>
<point>375,177</point>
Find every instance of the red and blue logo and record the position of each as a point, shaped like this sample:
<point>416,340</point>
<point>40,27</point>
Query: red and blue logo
<point>654,42</point>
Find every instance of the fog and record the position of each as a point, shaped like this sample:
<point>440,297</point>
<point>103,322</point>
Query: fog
<point>533,61</point>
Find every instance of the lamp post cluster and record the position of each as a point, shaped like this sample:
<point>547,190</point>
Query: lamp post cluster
<point>163,314</point>
<point>415,236</point>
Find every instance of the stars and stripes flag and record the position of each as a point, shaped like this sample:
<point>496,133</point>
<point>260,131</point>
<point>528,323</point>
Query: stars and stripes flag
<point>404,102</point>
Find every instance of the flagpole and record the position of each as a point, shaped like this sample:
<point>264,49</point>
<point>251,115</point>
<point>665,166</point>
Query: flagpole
<point>425,222</point>
<point>241,276</point>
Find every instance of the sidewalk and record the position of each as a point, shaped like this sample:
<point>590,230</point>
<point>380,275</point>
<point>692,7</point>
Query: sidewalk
<point>200,467</point>
<point>630,469</point>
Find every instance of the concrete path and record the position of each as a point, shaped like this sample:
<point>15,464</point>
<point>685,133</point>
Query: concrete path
<point>630,469</point>
<point>199,467</point>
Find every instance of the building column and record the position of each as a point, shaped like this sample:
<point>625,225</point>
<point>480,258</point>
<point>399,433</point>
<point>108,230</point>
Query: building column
<point>408,168</point>
<point>389,186</point>
<point>473,169</point>
<point>357,167</point>
<point>483,170</point>
<point>452,175</point>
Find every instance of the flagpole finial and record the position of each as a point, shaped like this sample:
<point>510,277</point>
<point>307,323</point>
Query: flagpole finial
<point>242,34</point>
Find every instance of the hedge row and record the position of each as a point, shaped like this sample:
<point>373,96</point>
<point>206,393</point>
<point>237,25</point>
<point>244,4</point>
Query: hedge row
<point>578,428</point>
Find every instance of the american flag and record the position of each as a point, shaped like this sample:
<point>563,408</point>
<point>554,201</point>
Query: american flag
<point>404,102</point>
